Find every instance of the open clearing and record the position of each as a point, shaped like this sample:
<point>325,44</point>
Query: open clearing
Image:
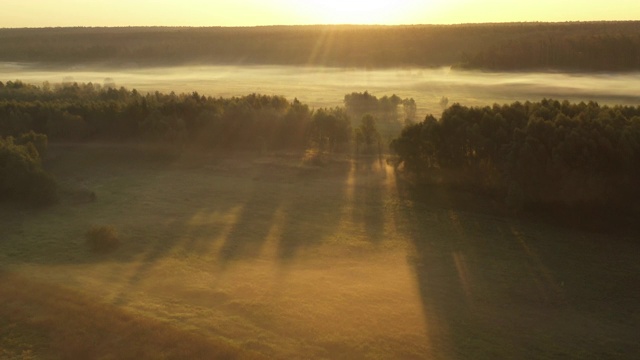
<point>263,256</point>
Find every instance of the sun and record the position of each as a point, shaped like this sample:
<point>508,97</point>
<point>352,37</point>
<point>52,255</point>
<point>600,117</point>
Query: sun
<point>366,12</point>
<point>355,12</point>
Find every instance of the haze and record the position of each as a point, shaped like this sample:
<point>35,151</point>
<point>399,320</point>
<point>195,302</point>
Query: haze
<point>54,13</point>
<point>326,87</point>
<point>319,192</point>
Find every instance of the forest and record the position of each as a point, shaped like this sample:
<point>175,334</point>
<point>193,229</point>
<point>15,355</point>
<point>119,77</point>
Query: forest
<point>588,46</point>
<point>31,115</point>
<point>548,156</point>
<point>559,158</point>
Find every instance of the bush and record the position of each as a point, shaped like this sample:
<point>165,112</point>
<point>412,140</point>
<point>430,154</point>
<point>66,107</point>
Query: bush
<point>22,177</point>
<point>102,238</point>
<point>39,141</point>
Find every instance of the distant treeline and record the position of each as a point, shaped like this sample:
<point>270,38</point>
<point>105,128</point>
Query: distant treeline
<point>597,46</point>
<point>546,155</point>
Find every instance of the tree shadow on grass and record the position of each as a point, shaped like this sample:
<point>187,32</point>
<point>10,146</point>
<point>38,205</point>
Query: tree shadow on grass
<point>313,214</point>
<point>492,287</point>
<point>251,229</point>
<point>370,188</point>
<point>152,198</point>
<point>165,206</point>
<point>266,202</point>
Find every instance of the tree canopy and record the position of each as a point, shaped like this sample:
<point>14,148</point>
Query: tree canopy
<point>87,112</point>
<point>532,154</point>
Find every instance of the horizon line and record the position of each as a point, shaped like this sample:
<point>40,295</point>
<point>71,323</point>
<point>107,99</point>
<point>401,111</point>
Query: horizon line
<point>317,25</point>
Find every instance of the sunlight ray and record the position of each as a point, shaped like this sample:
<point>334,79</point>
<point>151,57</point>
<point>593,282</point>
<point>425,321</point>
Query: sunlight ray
<point>317,48</point>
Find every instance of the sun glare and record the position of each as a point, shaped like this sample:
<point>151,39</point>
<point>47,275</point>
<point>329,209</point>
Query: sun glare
<point>381,12</point>
<point>356,12</point>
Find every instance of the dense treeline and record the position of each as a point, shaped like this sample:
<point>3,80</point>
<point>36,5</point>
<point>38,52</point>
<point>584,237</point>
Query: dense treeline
<point>87,112</point>
<point>606,46</point>
<point>593,52</point>
<point>541,155</point>
<point>531,155</point>
<point>31,115</point>
<point>370,46</point>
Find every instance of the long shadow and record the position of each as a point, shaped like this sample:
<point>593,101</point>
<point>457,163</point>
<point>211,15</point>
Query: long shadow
<point>497,287</point>
<point>369,191</point>
<point>152,202</point>
<point>447,312</point>
<point>252,226</point>
<point>314,213</point>
<point>307,202</point>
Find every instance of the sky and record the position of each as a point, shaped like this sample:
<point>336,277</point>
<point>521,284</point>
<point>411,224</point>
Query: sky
<point>53,13</point>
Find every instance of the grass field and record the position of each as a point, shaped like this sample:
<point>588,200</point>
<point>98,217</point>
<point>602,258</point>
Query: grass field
<point>251,256</point>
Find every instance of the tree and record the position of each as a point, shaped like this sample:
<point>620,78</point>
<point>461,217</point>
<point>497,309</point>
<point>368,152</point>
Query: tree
<point>330,129</point>
<point>368,136</point>
<point>21,175</point>
<point>410,110</point>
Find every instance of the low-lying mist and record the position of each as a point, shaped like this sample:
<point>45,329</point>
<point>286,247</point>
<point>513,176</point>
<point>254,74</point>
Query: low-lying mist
<point>321,87</point>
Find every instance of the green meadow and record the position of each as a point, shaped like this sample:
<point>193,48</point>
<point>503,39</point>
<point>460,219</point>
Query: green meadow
<point>274,255</point>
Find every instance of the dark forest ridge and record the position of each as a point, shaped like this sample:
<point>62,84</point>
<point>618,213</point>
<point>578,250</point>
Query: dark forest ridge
<point>573,46</point>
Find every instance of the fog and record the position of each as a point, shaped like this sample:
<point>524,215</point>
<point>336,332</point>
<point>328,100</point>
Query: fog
<point>322,87</point>
<point>302,255</point>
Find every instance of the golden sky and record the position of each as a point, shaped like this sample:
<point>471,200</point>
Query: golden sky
<point>46,13</point>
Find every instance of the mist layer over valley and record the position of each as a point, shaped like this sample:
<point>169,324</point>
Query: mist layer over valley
<point>326,87</point>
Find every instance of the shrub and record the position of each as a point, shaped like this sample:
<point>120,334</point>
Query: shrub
<point>22,177</point>
<point>102,238</point>
<point>39,141</point>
